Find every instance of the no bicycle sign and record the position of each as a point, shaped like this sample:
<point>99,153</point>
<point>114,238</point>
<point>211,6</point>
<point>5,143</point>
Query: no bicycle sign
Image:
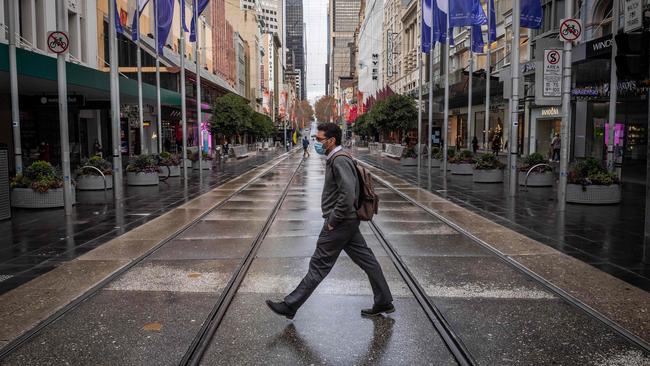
<point>57,42</point>
<point>571,30</point>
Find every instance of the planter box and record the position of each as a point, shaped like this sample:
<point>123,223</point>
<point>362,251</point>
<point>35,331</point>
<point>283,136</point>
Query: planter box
<point>436,163</point>
<point>142,179</point>
<point>188,162</point>
<point>174,171</point>
<point>593,195</point>
<point>205,164</point>
<point>28,198</point>
<point>535,179</point>
<point>409,162</point>
<point>93,182</point>
<point>462,169</point>
<point>488,176</point>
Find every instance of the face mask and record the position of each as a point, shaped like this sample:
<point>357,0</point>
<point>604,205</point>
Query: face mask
<point>320,149</point>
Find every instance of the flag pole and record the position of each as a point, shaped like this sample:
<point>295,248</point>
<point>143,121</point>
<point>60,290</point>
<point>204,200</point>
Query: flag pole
<point>115,102</point>
<point>486,120</point>
<point>158,108</point>
<point>514,105</point>
<point>198,87</point>
<point>445,122</point>
<point>143,149</point>
<point>13,80</point>
<point>419,145</point>
<point>469,99</point>
<point>430,126</point>
<point>183,92</point>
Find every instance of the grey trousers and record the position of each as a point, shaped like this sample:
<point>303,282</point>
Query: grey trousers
<point>345,236</point>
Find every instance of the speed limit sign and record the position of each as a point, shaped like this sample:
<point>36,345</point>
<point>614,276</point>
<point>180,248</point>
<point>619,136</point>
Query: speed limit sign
<point>57,42</point>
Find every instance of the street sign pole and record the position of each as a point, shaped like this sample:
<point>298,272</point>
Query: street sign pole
<point>115,103</point>
<point>183,96</point>
<point>514,101</point>
<point>13,80</point>
<point>61,13</point>
<point>566,115</point>
<point>613,92</point>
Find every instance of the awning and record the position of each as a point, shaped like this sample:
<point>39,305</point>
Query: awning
<point>37,75</point>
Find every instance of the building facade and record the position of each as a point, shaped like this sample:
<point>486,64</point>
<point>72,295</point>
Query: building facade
<point>295,43</point>
<point>343,19</point>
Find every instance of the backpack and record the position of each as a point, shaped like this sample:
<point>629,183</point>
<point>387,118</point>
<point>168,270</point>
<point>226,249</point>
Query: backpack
<point>368,201</point>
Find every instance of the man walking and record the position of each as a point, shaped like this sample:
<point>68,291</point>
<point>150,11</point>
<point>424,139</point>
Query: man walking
<point>340,231</point>
<point>305,147</point>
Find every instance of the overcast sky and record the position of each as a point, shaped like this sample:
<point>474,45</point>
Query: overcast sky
<point>315,16</point>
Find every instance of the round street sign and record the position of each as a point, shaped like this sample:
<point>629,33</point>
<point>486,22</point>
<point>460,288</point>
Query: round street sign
<point>57,42</point>
<point>570,30</point>
<point>553,57</point>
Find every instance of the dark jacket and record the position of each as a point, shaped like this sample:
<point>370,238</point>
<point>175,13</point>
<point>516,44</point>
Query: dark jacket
<point>340,191</point>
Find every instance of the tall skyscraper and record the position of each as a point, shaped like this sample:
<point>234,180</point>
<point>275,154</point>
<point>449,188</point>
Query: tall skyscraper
<point>295,42</point>
<point>343,20</point>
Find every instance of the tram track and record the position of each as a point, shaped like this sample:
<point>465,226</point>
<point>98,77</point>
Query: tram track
<point>512,263</point>
<point>15,344</point>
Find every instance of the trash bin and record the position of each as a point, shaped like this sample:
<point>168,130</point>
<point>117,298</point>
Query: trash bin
<point>5,207</point>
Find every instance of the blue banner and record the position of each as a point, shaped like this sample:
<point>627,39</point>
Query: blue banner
<point>463,13</point>
<point>477,39</point>
<point>182,5</point>
<point>440,29</point>
<point>202,4</point>
<point>531,14</point>
<point>427,22</point>
<point>165,11</point>
<point>492,31</point>
<point>118,22</point>
<point>135,26</point>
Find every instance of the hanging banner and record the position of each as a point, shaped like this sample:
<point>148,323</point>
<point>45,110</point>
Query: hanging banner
<point>266,102</point>
<point>282,108</point>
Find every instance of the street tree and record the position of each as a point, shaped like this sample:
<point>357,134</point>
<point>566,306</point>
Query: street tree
<point>231,117</point>
<point>396,113</point>
<point>261,126</point>
<point>325,109</point>
<point>304,113</point>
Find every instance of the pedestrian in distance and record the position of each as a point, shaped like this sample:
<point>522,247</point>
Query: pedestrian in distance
<point>556,144</point>
<point>305,147</point>
<point>341,192</point>
<point>475,144</point>
<point>496,144</point>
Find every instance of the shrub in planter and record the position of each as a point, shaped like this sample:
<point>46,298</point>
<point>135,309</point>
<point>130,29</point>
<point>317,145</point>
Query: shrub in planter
<point>142,171</point>
<point>488,169</point>
<point>461,164</point>
<point>437,156</point>
<point>541,176</point>
<point>90,179</point>
<point>206,160</point>
<point>409,158</point>
<point>39,187</point>
<point>589,182</point>
<point>171,162</point>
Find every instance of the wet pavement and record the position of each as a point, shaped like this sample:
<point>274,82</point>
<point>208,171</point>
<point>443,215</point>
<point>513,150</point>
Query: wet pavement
<point>153,312</point>
<point>34,242</point>
<point>608,237</point>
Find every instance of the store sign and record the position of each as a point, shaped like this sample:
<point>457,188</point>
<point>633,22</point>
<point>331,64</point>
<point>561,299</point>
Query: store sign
<point>633,15</point>
<point>375,66</point>
<point>550,112</point>
<point>390,51</point>
<point>599,46</point>
<point>271,66</point>
<point>625,88</point>
<point>552,73</point>
<point>51,100</point>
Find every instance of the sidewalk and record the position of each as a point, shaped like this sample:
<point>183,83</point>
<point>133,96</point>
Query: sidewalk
<point>607,237</point>
<point>34,242</point>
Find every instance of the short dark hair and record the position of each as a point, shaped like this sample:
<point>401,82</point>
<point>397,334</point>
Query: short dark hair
<point>331,130</point>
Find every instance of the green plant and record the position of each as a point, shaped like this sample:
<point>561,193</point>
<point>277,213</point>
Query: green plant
<point>397,113</point>
<point>535,159</point>
<point>261,126</point>
<point>591,172</point>
<point>488,162</point>
<point>437,153</point>
<point>231,116</point>
<point>40,176</point>
<point>142,164</point>
<point>97,162</point>
<point>169,159</point>
<point>465,157</point>
<point>204,156</point>
<point>410,153</point>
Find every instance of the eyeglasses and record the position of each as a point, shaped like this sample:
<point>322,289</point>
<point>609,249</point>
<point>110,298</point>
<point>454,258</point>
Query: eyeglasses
<point>322,139</point>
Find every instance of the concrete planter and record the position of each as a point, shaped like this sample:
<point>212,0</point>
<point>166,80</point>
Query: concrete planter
<point>536,179</point>
<point>488,176</point>
<point>93,182</point>
<point>29,198</point>
<point>462,169</point>
<point>436,163</point>
<point>409,162</point>
<point>593,195</point>
<point>186,161</point>
<point>174,171</point>
<point>142,179</point>
<point>205,164</point>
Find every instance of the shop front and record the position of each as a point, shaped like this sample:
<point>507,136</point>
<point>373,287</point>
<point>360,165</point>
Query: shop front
<point>545,123</point>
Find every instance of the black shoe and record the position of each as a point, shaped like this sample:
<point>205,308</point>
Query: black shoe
<point>281,308</point>
<point>378,310</point>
